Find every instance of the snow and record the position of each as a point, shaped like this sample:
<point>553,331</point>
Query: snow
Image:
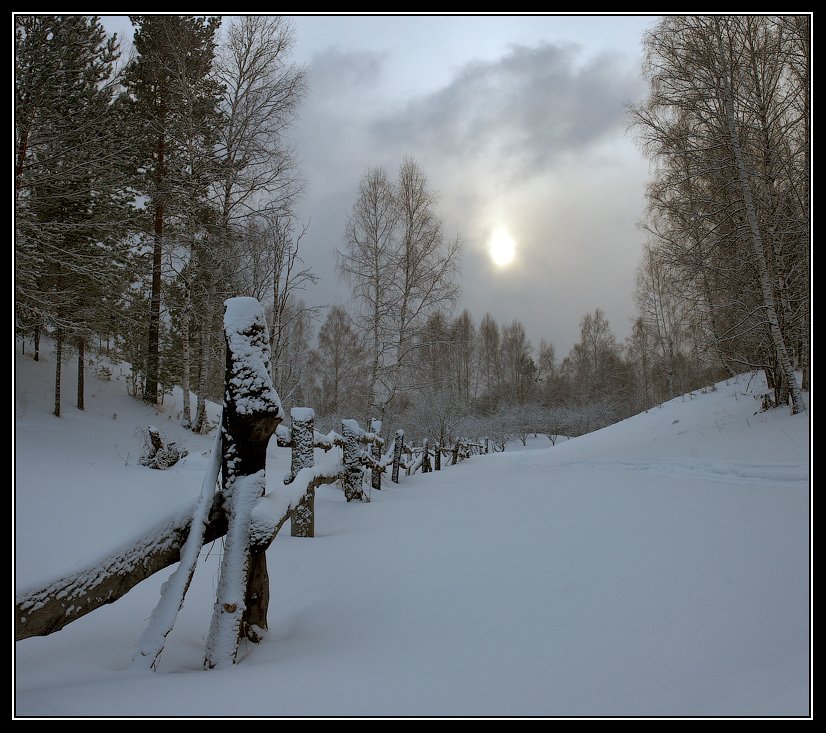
<point>246,330</point>
<point>302,414</point>
<point>283,434</point>
<point>229,607</point>
<point>173,590</point>
<point>352,426</point>
<point>270,509</point>
<point>534,442</point>
<point>657,567</point>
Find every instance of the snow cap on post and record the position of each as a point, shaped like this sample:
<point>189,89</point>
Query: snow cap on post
<point>302,414</point>
<point>246,331</point>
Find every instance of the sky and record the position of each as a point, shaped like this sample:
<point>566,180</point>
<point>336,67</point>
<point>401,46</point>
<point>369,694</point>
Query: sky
<point>519,123</point>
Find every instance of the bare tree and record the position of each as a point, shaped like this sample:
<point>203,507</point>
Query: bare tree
<point>489,359</point>
<point>262,88</point>
<point>401,269</point>
<point>727,119</point>
<point>339,368</point>
<point>427,263</point>
<point>463,339</point>
<point>518,367</point>
<point>368,261</point>
<point>290,371</point>
<point>290,316</point>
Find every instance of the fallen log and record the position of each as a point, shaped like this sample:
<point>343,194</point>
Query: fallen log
<point>51,607</point>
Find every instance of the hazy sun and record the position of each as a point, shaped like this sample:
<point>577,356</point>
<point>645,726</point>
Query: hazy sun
<point>501,247</point>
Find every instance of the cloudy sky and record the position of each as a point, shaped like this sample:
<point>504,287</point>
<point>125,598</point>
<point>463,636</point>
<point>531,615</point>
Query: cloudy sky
<point>519,124</point>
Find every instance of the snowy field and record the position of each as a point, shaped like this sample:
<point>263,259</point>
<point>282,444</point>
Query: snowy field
<point>658,567</point>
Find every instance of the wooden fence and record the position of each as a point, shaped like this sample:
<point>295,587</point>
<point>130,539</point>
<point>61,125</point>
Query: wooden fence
<point>237,507</point>
<point>362,451</point>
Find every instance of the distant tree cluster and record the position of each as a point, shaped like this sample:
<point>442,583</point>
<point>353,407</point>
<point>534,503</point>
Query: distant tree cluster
<point>488,380</point>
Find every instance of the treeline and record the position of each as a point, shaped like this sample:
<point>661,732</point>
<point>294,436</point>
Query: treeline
<point>149,189</point>
<point>488,379</point>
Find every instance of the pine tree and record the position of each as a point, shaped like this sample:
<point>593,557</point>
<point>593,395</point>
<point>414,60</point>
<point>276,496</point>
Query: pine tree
<point>174,102</point>
<point>71,192</point>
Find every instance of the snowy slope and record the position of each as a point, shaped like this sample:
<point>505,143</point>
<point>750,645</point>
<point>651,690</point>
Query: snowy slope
<point>657,567</point>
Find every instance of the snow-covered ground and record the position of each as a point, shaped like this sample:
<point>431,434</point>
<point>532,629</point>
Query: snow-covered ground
<point>657,567</point>
<point>535,442</point>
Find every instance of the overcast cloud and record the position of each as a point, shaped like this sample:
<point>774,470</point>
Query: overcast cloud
<point>533,140</point>
<point>518,121</point>
<point>525,110</point>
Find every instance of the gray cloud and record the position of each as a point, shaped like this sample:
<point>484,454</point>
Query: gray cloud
<point>337,72</point>
<point>533,141</point>
<point>524,110</point>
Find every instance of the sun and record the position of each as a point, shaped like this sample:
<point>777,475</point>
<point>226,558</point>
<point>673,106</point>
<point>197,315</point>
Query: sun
<point>501,247</point>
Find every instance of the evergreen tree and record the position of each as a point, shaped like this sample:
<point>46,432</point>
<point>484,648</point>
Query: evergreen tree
<point>174,109</point>
<point>70,191</point>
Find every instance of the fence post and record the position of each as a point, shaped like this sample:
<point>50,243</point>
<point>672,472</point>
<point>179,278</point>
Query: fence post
<point>397,455</point>
<point>351,432</point>
<point>455,457</point>
<point>252,411</point>
<point>437,457</point>
<point>486,444</point>
<point>426,458</point>
<point>302,523</point>
<point>375,476</point>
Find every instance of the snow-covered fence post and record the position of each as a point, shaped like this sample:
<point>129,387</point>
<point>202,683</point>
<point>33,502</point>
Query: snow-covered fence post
<point>252,411</point>
<point>426,457</point>
<point>351,480</point>
<point>375,475</point>
<point>455,456</point>
<point>303,436</point>
<point>397,455</point>
<point>487,445</point>
<point>437,457</point>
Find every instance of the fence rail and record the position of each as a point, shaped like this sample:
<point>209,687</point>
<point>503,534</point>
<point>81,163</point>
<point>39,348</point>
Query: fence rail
<point>363,451</point>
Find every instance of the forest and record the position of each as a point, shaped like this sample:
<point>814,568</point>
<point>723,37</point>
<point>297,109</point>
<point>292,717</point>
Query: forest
<point>150,189</point>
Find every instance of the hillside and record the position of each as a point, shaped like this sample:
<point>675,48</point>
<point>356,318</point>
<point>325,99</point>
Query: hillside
<point>657,567</point>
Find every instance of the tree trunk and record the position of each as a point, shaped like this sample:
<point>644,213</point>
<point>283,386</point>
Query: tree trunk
<point>19,165</point>
<point>150,388</point>
<point>185,368</point>
<point>201,421</point>
<point>783,360</point>
<point>57,366</point>
<point>81,372</point>
<point>37,329</point>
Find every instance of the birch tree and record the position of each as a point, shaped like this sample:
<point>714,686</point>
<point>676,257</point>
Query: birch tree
<point>401,267</point>
<point>727,120</point>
